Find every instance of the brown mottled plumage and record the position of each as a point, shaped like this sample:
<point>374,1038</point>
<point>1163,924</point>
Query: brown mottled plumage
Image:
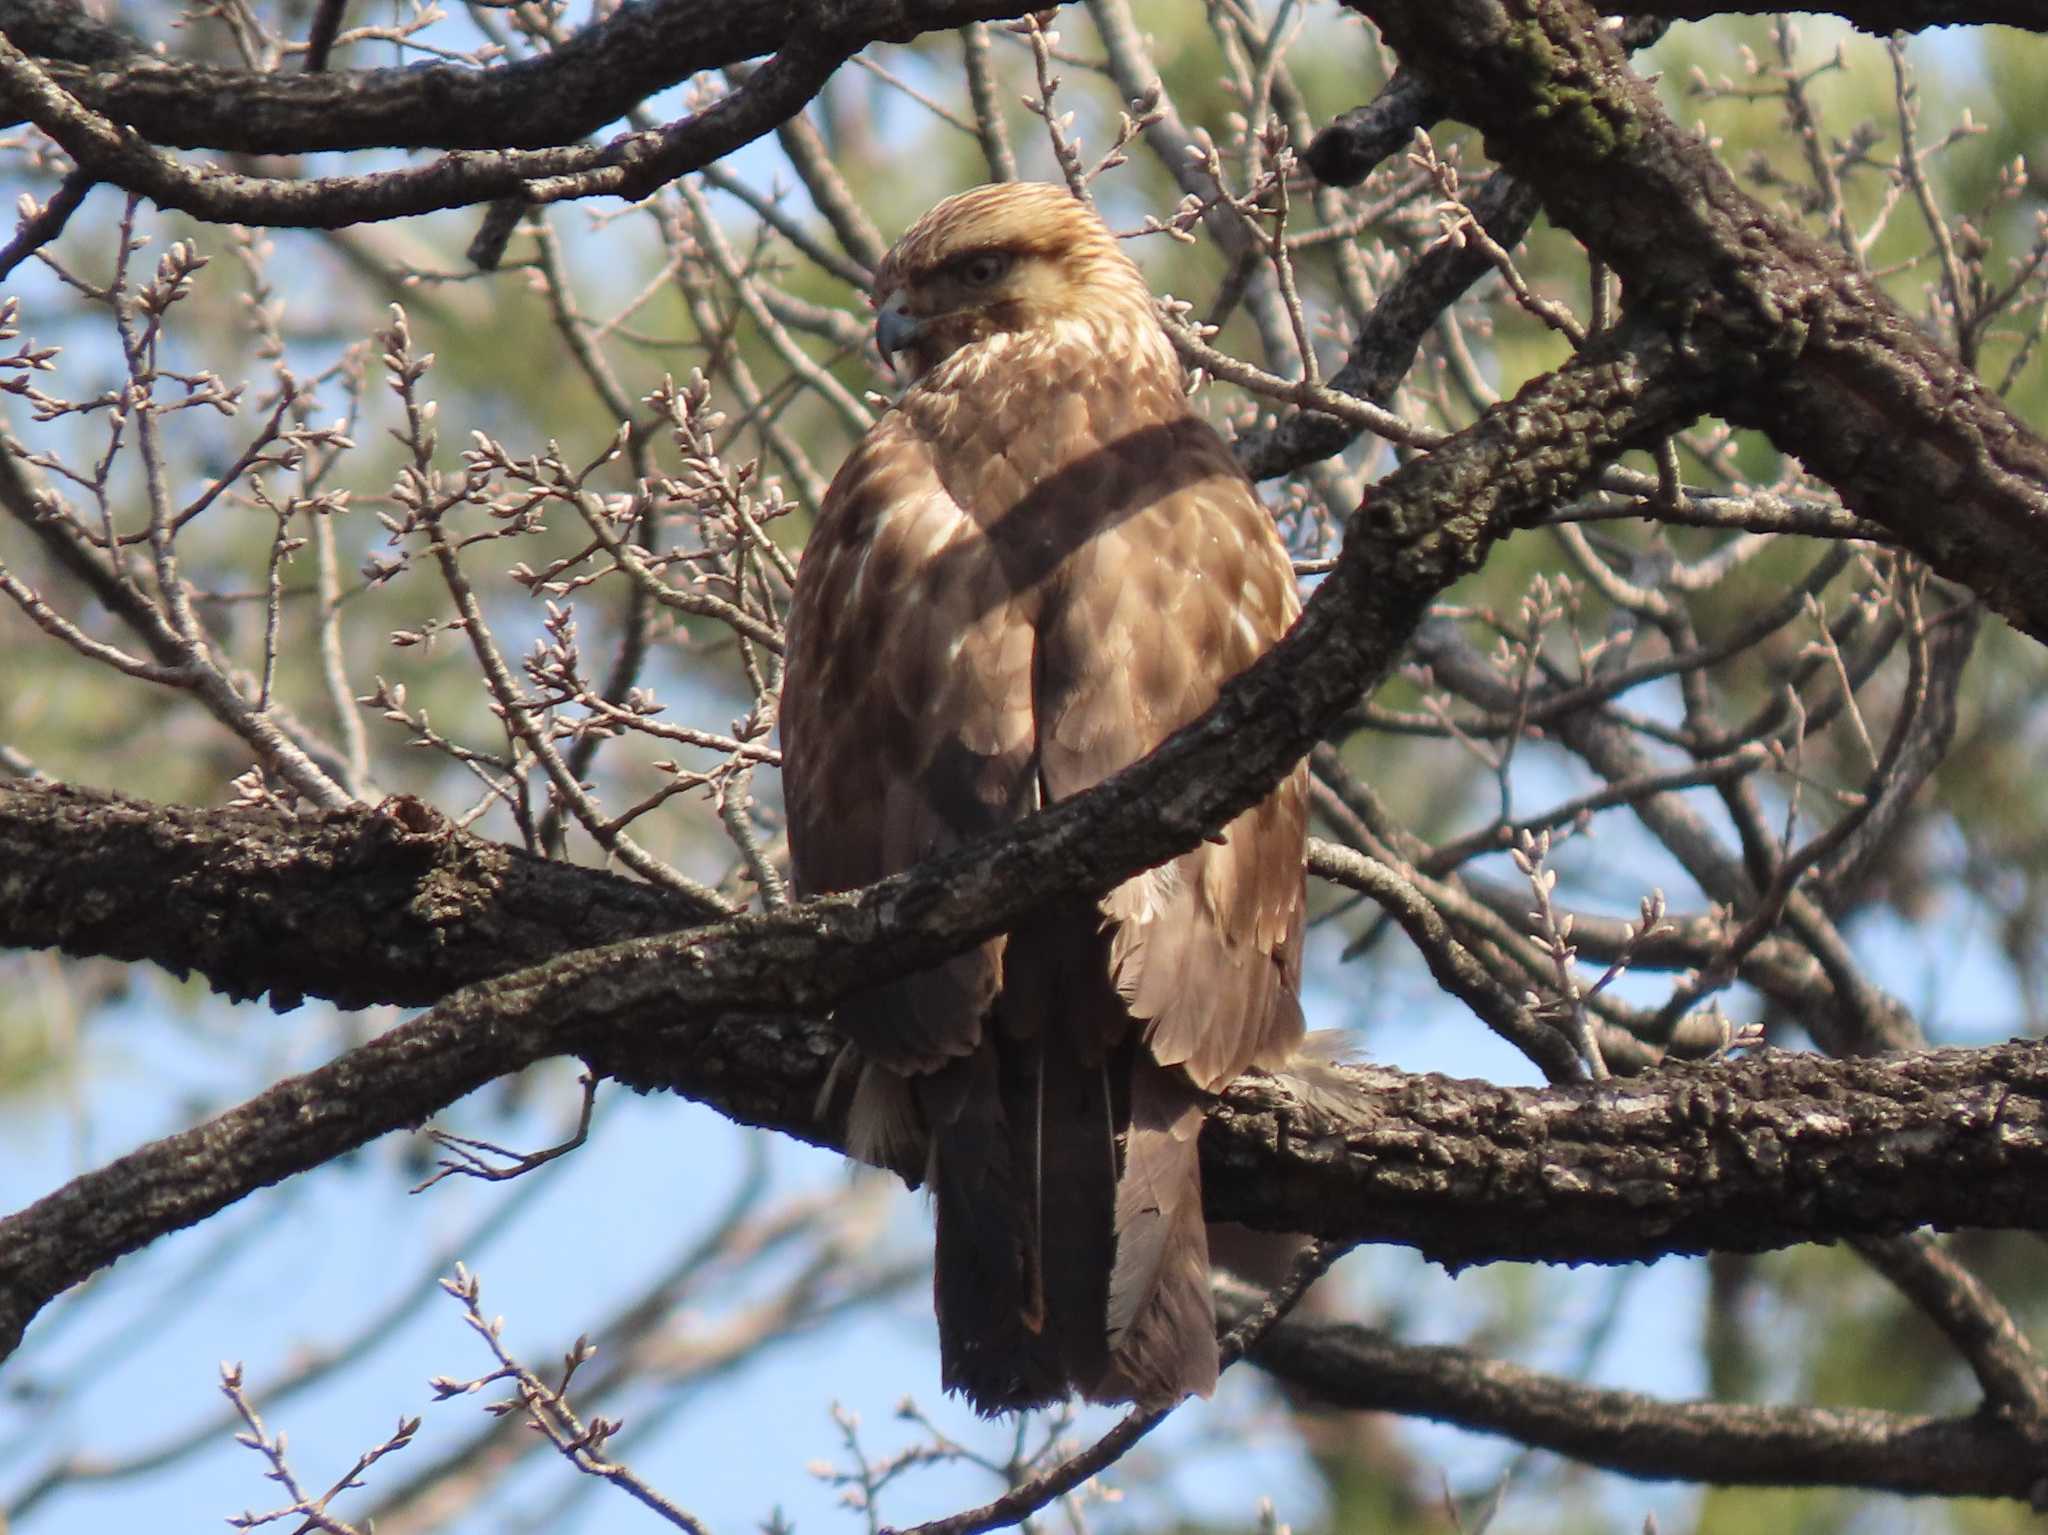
<point>1028,574</point>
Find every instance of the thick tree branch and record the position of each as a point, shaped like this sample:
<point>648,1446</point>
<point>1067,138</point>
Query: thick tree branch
<point>592,79</point>
<point>1741,1155</point>
<point>359,906</point>
<point>630,166</point>
<point>1720,1443</point>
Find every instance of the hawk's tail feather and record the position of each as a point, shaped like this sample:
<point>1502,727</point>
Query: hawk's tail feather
<point>1161,1320</point>
<point>1075,1154</point>
<point>993,1342</point>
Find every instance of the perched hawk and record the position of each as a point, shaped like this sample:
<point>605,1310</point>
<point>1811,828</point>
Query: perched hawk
<point>1026,576</point>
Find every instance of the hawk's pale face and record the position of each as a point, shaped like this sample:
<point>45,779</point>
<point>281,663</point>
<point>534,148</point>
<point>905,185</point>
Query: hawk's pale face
<point>967,298</point>
<point>1008,259</point>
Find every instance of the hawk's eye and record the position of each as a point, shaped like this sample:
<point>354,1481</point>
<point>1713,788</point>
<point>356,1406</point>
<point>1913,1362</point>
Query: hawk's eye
<point>983,268</point>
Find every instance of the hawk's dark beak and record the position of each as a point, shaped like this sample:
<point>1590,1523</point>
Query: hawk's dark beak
<point>896,329</point>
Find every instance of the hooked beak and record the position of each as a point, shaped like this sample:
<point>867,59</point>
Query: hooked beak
<point>896,329</point>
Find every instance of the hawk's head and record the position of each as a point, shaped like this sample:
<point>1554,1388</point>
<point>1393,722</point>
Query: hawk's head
<point>1007,258</point>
